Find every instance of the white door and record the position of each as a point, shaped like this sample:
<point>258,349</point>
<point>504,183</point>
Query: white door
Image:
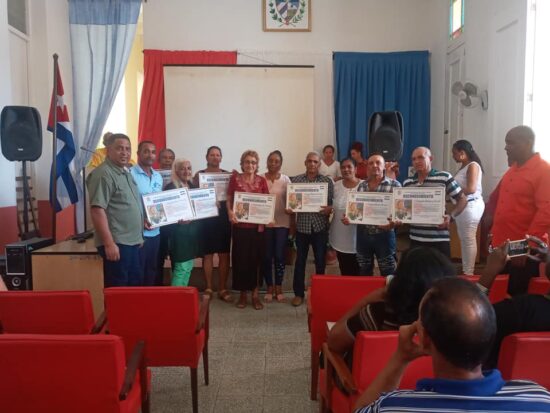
<point>454,71</point>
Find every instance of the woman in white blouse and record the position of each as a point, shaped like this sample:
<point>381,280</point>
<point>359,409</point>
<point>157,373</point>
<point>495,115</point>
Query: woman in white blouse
<point>469,179</point>
<point>341,236</point>
<point>276,236</point>
<point>330,167</point>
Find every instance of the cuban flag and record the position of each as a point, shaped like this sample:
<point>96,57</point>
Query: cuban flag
<point>67,193</point>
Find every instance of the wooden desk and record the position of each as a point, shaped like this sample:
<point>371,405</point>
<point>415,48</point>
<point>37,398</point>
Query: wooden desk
<point>69,265</point>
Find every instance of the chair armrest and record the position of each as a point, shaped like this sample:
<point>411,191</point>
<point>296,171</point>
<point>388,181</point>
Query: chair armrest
<point>203,313</point>
<point>337,363</point>
<point>99,324</point>
<point>137,360</point>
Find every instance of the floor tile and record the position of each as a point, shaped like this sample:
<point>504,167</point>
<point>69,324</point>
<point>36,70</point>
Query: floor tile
<point>291,383</point>
<point>242,385</point>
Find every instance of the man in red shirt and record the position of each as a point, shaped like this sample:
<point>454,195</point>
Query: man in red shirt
<point>522,202</point>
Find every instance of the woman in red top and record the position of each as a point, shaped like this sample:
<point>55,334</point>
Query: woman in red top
<point>356,153</point>
<point>248,239</point>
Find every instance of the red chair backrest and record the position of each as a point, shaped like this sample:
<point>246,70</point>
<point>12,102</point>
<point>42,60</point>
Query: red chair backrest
<point>525,356</point>
<point>499,289</point>
<point>46,312</point>
<point>61,373</point>
<point>372,351</point>
<point>332,296</point>
<point>539,285</point>
<point>164,317</point>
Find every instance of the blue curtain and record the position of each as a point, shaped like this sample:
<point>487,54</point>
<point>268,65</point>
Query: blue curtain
<point>365,83</point>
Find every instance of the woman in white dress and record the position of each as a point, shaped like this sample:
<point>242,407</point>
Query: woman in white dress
<point>342,237</point>
<point>330,167</point>
<point>469,178</point>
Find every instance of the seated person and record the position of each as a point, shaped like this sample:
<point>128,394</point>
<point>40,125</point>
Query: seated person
<point>397,303</point>
<point>521,313</point>
<point>456,327</point>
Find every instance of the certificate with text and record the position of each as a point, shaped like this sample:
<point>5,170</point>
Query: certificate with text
<point>166,176</point>
<point>307,197</point>
<point>203,202</point>
<point>254,208</point>
<point>369,208</point>
<point>217,180</point>
<point>168,207</point>
<point>414,205</point>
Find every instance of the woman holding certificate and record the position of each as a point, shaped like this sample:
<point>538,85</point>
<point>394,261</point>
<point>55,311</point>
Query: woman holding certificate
<point>342,237</point>
<point>248,239</point>
<point>276,237</point>
<point>183,238</point>
<point>469,179</point>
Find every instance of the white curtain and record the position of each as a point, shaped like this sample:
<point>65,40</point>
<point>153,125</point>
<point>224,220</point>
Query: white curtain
<point>102,33</point>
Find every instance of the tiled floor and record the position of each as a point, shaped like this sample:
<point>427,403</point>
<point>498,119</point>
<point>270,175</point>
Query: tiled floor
<point>259,362</point>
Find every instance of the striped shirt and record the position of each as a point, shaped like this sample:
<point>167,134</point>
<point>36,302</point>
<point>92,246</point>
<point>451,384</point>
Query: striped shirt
<point>312,222</point>
<point>386,185</point>
<point>427,233</point>
<point>489,394</point>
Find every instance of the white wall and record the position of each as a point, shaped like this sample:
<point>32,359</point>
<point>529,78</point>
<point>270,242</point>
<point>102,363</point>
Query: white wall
<point>353,25</point>
<point>494,37</point>
<point>7,177</point>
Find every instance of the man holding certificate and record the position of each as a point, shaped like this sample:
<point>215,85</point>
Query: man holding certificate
<point>434,234</point>
<point>376,240</point>
<point>311,227</point>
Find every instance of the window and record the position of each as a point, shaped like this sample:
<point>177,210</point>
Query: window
<point>456,18</point>
<point>17,15</point>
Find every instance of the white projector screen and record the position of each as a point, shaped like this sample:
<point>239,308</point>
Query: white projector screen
<point>239,108</point>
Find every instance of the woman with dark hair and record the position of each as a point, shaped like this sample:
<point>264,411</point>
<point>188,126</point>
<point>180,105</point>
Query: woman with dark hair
<point>248,239</point>
<point>469,178</point>
<point>356,153</point>
<point>396,304</point>
<point>276,236</point>
<point>329,166</point>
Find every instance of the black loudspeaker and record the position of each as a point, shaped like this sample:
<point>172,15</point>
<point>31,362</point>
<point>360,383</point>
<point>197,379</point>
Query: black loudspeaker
<point>21,133</point>
<point>386,135</point>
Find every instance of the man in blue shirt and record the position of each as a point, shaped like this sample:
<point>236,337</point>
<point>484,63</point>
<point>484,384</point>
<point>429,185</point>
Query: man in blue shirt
<point>456,327</point>
<point>148,181</point>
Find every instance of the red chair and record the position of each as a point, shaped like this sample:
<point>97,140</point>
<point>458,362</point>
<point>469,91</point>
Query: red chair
<point>329,298</point>
<point>71,373</point>
<point>539,285</point>
<point>499,289</point>
<point>48,312</point>
<point>168,319</point>
<point>525,356</point>
<point>371,352</point>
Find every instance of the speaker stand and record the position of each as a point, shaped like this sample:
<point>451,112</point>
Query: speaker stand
<point>27,202</point>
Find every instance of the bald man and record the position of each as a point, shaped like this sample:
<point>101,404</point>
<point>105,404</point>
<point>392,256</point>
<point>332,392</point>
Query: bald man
<point>521,203</point>
<point>434,236</point>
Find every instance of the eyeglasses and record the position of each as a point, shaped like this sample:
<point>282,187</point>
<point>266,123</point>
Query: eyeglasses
<point>250,162</point>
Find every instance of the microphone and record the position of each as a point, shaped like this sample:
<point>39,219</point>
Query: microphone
<point>86,149</point>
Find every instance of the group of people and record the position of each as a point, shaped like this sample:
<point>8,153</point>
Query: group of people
<point>134,252</point>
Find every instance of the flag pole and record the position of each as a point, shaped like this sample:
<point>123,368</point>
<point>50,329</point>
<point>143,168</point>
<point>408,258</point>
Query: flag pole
<point>53,195</point>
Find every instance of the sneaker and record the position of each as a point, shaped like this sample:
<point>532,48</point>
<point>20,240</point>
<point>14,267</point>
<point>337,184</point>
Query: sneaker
<point>297,301</point>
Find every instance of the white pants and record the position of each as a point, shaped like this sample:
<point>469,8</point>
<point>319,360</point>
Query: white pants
<point>466,225</point>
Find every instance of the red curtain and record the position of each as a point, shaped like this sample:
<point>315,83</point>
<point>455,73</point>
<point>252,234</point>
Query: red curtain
<point>152,124</point>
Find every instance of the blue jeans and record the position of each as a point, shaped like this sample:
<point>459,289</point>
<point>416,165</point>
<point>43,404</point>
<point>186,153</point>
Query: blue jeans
<point>381,246</point>
<point>148,259</point>
<point>275,248</point>
<point>124,272</point>
<point>318,241</point>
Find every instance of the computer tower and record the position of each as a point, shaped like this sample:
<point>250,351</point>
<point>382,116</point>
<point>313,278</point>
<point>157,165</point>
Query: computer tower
<point>19,264</point>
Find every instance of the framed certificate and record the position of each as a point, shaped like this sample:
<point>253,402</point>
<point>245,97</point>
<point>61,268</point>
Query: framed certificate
<point>217,180</point>
<point>254,208</point>
<point>414,205</point>
<point>203,202</point>
<point>168,207</point>
<point>307,197</point>
<point>369,208</point>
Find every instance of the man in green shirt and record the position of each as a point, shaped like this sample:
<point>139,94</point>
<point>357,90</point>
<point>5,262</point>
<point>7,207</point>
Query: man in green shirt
<point>117,215</point>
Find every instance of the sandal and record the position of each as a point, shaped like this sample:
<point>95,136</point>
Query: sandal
<point>225,295</point>
<point>209,292</point>
<point>279,294</point>
<point>242,300</point>
<point>268,297</point>
<point>256,303</point>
